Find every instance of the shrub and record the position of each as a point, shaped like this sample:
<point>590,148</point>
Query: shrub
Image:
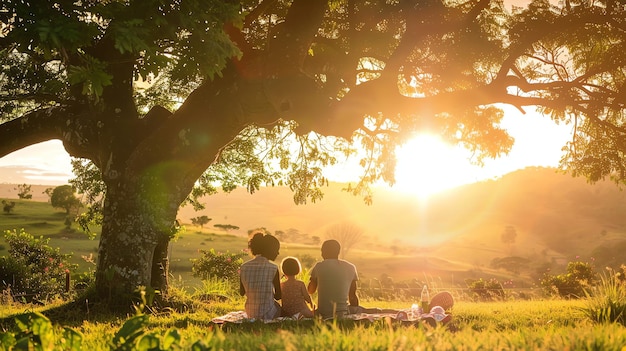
<point>7,206</point>
<point>218,265</point>
<point>24,192</point>
<point>307,260</point>
<point>572,284</point>
<point>485,289</point>
<point>33,268</point>
<point>11,271</point>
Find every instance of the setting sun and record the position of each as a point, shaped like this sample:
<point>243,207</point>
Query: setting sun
<point>427,165</point>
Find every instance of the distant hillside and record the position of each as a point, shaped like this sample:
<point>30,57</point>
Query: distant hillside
<point>556,218</point>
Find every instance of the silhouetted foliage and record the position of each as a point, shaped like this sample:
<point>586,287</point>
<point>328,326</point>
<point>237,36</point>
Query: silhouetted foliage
<point>8,206</point>
<point>572,284</point>
<point>485,289</point>
<point>200,221</point>
<point>24,192</point>
<point>347,234</point>
<point>63,197</point>
<point>226,227</point>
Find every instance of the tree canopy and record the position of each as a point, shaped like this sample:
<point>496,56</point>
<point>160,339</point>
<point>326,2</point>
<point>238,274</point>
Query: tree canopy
<point>155,92</point>
<point>64,197</point>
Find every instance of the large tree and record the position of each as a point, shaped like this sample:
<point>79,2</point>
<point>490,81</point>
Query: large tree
<point>154,92</point>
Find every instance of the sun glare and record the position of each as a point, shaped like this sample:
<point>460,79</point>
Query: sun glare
<point>427,165</point>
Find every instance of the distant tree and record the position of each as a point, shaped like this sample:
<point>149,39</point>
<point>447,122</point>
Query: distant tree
<point>24,192</point>
<point>280,235</point>
<point>63,197</point>
<point>68,222</point>
<point>7,206</point>
<point>292,234</point>
<point>226,227</point>
<point>200,221</point>
<point>48,192</point>
<point>347,234</point>
<point>316,240</point>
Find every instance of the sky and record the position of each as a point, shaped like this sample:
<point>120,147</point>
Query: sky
<point>45,163</point>
<point>425,165</point>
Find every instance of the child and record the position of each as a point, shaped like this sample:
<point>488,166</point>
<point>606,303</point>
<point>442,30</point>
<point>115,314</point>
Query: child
<point>294,294</point>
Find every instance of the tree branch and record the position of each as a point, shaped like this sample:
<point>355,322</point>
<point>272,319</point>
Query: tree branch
<point>295,35</point>
<point>47,124</point>
<point>257,12</point>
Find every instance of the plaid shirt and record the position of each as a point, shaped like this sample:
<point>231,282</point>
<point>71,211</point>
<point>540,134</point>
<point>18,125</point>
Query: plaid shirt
<point>257,276</point>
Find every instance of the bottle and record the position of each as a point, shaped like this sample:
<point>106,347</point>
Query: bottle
<point>425,299</point>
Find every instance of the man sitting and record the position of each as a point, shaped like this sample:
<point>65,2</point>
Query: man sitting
<point>335,281</point>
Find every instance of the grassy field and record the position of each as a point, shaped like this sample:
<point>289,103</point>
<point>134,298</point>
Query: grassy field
<point>41,219</point>
<point>533,324</point>
<point>511,325</point>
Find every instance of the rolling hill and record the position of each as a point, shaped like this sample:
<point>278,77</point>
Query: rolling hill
<point>555,219</point>
<point>552,213</point>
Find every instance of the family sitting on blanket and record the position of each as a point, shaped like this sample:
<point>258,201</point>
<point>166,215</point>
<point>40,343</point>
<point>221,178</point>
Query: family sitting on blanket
<point>334,280</point>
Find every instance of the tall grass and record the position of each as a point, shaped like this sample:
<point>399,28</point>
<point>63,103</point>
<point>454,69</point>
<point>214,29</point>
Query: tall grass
<point>606,302</point>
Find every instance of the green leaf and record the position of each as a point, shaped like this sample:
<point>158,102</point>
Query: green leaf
<point>129,36</point>
<point>130,330</point>
<point>42,327</point>
<point>200,345</point>
<point>171,338</point>
<point>24,343</point>
<point>7,340</point>
<point>92,75</point>
<point>73,339</point>
<point>149,342</point>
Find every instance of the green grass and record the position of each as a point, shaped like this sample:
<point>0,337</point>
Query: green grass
<point>449,267</point>
<point>509,325</point>
<point>517,325</point>
<point>41,219</point>
<point>33,216</point>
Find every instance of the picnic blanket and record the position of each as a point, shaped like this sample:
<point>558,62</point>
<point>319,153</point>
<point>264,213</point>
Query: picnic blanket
<point>241,317</point>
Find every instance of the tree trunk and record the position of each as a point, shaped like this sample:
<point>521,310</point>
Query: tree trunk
<point>149,180</point>
<point>133,248</point>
